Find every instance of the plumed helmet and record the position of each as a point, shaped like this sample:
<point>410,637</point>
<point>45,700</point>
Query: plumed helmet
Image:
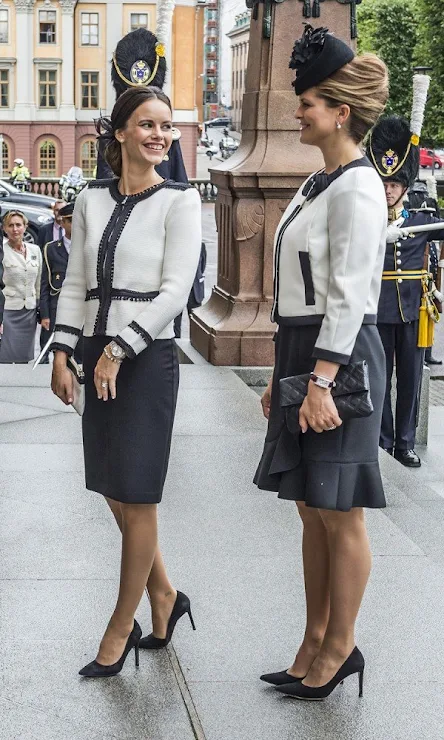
<point>139,59</point>
<point>19,162</point>
<point>393,152</point>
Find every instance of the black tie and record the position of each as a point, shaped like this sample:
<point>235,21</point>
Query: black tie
<point>60,233</point>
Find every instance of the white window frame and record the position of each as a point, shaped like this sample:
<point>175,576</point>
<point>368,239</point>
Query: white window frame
<point>47,10</point>
<point>49,68</point>
<point>6,10</point>
<point>87,12</point>
<point>89,71</point>
<point>143,12</point>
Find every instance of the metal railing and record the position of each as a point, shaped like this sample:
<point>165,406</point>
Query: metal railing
<point>50,186</point>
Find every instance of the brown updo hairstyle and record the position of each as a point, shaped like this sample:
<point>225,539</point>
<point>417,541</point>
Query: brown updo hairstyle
<point>363,85</point>
<point>123,109</point>
<point>10,214</point>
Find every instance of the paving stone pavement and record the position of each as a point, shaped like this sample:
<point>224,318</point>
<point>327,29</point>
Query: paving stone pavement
<point>235,551</point>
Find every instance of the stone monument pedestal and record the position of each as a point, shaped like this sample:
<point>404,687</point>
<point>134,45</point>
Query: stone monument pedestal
<point>254,188</point>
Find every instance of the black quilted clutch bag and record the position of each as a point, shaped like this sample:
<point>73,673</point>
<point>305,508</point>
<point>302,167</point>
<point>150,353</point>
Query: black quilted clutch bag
<point>351,394</point>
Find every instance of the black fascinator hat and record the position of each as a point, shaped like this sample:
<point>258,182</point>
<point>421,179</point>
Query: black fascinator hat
<point>316,56</point>
<point>139,60</point>
<point>393,151</point>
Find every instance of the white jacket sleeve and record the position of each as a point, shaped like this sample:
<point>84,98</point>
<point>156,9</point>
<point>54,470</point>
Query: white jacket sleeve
<point>71,305</point>
<point>357,221</point>
<point>183,237</point>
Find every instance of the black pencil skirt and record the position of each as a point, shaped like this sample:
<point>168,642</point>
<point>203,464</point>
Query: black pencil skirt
<point>336,469</point>
<point>127,441</point>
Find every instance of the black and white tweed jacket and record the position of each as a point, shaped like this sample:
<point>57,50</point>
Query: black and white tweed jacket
<point>132,264</point>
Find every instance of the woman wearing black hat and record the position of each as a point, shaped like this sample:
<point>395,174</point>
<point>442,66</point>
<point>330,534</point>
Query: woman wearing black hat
<point>135,247</point>
<point>329,251</point>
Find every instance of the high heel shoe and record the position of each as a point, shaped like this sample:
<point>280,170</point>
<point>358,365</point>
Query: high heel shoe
<point>355,663</point>
<point>97,670</point>
<point>280,678</point>
<point>181,606</point>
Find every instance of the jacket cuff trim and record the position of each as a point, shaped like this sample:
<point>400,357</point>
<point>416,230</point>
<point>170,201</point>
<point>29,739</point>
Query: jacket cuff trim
<point>142,332</point>
<point>326,354</point>
<point>68,329</point>
<point>62,347</point>
<point>126,347</point>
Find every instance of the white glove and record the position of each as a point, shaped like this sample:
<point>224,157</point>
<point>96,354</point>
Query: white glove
<point>394,233</point>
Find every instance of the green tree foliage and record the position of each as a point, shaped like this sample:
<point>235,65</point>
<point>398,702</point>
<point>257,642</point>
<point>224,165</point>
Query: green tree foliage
<point>389,28</point>
<point>430,51</point>
<point>405,34</point>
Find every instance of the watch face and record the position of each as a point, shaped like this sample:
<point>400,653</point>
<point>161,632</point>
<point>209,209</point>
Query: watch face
<point>116,351</point>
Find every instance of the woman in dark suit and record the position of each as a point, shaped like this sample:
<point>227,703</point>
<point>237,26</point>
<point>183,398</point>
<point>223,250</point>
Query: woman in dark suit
<point>329,252</point>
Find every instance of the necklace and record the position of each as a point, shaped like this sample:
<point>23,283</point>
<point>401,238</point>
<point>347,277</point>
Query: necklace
<point>21,250</point>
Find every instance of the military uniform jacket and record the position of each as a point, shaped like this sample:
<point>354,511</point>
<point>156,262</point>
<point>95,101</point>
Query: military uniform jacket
<point>400,299</point>
<point>55,257</point>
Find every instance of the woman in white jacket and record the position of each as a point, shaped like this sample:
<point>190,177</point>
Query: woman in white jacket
<point>22,269</point>
<point>134,252</point>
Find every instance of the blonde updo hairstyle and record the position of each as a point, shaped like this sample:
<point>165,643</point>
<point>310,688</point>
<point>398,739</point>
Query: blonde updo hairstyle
<point>363,85</point>
<point>10,214</point>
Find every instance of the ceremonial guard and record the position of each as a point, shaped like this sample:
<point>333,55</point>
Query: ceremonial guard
<point>139,60</point>
<point>55,263</point>
<point>393,149</point>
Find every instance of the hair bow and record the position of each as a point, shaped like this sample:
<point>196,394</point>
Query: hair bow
<point>104,129</point>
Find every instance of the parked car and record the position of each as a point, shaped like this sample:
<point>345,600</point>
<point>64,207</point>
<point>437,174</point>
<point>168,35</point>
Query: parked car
<point>36,215</point>
<point>217,123</point>
<point>429,158</point>
<point>9,192</point>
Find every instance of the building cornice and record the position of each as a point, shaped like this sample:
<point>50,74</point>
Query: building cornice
<point>24,6</point>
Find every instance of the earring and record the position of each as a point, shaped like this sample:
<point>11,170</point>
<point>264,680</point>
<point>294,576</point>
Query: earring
<point>338,125</point>
<point>166,158</point>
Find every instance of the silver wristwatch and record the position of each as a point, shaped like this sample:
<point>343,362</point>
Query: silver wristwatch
<point>114,352</point>
<point>321,381</point>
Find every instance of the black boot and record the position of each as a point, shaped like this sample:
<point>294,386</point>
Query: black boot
<point>409,458</point>
<point>388,450</point>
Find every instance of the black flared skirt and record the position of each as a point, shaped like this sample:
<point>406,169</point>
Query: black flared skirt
<point>334,470</point>
<point>127,441</point>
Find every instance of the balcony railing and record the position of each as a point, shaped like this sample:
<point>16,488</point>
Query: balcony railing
<point>50,186</point>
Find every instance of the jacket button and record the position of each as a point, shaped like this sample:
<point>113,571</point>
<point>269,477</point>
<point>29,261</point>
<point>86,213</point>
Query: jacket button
<point>398,253</point>
<point>398,270</point>
<point>399,280</point>
<point>398,262</point>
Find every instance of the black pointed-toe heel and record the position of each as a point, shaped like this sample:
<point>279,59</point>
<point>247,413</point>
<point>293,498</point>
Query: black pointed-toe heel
<point>355,663</point>
<point>181,606</point>
<point>280,678</point>
<point>97,670</point>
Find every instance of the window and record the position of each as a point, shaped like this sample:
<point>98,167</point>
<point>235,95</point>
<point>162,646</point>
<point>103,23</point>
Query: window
<point>4,27</point>
<point>4,88</point>
<point>90,89</point>
<point>5,158</point>
<point>90,29</point>
<point>139,20</point>
<point>47,19</point>
<point>48,88</point>
<point>88,157</point>
<point>47,159</point>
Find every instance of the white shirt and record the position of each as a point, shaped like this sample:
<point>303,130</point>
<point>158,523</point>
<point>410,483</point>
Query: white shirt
<point>131,266</point>
<point>67,243</point>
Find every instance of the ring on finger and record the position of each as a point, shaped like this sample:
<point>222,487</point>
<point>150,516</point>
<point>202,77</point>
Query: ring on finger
<point>330,429</point>
<point>104,384</point>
